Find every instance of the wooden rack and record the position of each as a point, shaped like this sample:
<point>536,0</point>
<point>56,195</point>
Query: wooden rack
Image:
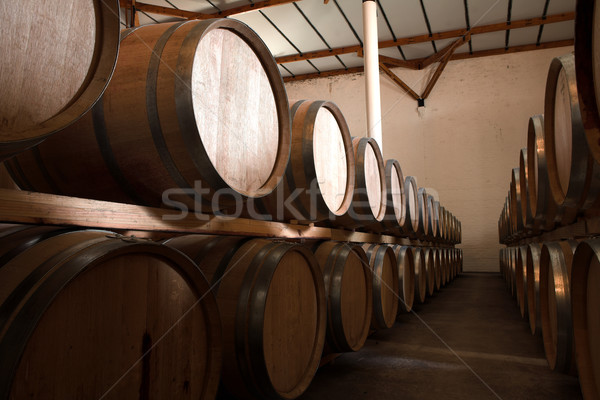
<point>24,207</point>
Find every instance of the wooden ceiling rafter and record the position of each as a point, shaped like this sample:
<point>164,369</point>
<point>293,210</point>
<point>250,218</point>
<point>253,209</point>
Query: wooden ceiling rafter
<point>174,12</point>
<point>443,56</point>
<point>455,56</point>
<point>451,34</point>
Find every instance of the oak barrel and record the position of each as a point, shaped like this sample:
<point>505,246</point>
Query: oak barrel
<point>540,202</point>
<point>382,261</point>
<point>348,287</point>
<point>585,297</point>
<point>411,211</point>
<point>56,61</point>
<point>419,254</point>
<point>433,220</point>
<point>204,107</point>
<point>515,198</point>
<point>556,260</point>
<point>429,261</point>
<point>521,280</point>
<point>587,69</point>
<point>395,211</point>
<point>423,231</point>
<point>524,182</point>
<point>319,178</point>
<point>533,288</point>
<point>405,260</point>
<point>573,174</point>
<point>92,314</point>
<point>368,206</point>
<point>271,297</point>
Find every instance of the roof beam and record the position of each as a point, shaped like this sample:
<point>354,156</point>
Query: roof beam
<point>455,56</point>
<point>523,23</point>
<point>197,15</point>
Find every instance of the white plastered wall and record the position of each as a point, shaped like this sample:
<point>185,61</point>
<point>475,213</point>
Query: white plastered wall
<point>466,140</point>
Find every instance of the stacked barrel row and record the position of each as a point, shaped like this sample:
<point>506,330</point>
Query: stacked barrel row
<point>180,316</point>
<point>208,129</point>
<point>556,282</point>
<point>195,118</point>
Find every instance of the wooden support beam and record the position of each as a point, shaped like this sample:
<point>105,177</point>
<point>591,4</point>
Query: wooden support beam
<point>394,62</point>
<point>455,56</point>
<point>514,49</point>
<point>399,81</point>
<point>39,208</point>
<point>524,23</point>
<point>173,12</point>
<point>446,50</point>
<point>323,74</point>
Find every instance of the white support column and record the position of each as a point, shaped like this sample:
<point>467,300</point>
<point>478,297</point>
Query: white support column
<point>371,59</point>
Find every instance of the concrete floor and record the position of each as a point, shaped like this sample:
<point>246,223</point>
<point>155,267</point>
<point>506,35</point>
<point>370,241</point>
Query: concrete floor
<point>466,342</point>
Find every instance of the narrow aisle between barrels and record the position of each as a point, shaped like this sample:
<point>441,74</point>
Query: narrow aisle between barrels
<point>476,318</point>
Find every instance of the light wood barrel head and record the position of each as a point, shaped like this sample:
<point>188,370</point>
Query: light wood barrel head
<point>167,342</point>
<point>57,60</point>
<point>567,151</point>
<point>291,325</point>
<point>356,298</point>
<point>330,154</point>
<point>563,145</point>
<point>412,205</point>
<point>235,110</point>
<point>395,196</point>
<point>373,179</point>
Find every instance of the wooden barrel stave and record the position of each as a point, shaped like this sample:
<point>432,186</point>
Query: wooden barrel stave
<point>59,66</point>
<point>533,288</point>
<point>556,260</point>
<point>270,348</point>
<point>170,341</point>
<point>169,122</point>
<point>406,275</point>
<point>348,287</point>
<point>395,213</point>
<point>382,261</point>
<point>420,292</point>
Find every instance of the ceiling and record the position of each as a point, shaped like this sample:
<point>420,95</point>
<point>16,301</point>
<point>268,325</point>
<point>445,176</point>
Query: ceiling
<point>312,38</point>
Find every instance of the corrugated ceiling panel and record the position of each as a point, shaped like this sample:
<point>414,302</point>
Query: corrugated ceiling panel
<point>283,72</point>
<point>523,9</point>
<point>352,60</point>
<point>488,41</point>
<point>295,27</point>
<point>327,63</point>
<point>560,6</point>
<point>276,43</point>
<point>519,37</point>
<point>300,67</point>
<point>329,22</point>
<point>445,15</point>
<point>558,31</point>
<point>391,52</point>
<point>353,11</point>
<point>485,12</point>
<point>405,17</point>
<point>418,50</point>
